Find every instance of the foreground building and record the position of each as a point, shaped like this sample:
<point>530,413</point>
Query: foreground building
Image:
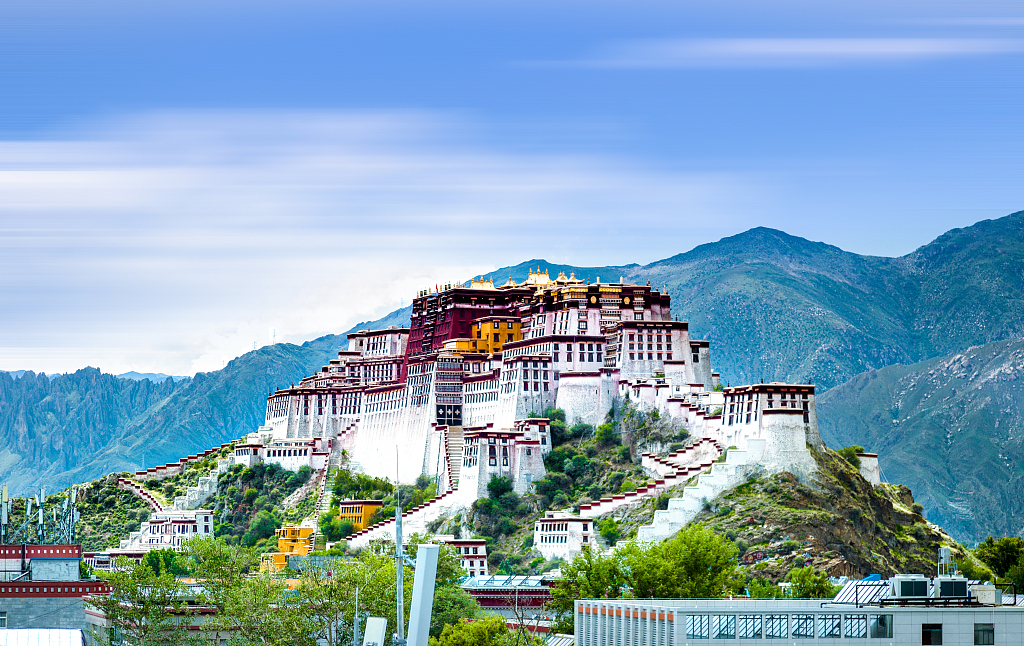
<point>945,610</point>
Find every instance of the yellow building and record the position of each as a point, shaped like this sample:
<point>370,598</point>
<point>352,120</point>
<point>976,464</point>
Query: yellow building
<point>491,333</point>
<point>291,541</point>
<point>358,511</point>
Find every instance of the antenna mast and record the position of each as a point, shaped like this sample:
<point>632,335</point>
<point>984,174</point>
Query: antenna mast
<point>399,563</point>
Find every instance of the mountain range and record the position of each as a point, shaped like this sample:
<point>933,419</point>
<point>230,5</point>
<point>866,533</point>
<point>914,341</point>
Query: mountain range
<point>775,307</point>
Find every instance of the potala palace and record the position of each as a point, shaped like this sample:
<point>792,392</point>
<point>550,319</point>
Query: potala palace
<point>460,393</point>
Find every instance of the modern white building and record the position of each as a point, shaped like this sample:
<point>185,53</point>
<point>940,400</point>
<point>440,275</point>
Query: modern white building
<point>863,613</point>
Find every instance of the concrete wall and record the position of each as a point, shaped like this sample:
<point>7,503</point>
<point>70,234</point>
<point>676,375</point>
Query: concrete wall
<point>44,612</point>
<point>54,569</point>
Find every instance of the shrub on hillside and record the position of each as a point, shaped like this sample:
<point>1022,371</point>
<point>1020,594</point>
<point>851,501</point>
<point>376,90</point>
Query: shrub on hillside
<point>498,486</point>
<point>849,454</point>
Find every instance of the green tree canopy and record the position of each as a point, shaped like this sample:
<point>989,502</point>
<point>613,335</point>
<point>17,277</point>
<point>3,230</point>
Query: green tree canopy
<point>849,454</point>
<point>498,486</point>
<point>166,560</point>
<point>695,563</point>
<point>490,630</point>
<point>1001,554</point>
<point>144,608</point>
<point>808,583</point>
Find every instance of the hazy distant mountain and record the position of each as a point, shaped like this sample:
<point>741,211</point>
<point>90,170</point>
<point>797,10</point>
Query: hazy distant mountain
<point>55,431</point>
<point>951,428</point>
<point>156,377</point>
<point>773,305</point>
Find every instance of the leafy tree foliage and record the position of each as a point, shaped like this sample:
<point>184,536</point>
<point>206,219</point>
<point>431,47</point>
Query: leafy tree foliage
<point>1001,554</point>
<point>487,631</point>
<point>144,609</point>
<point>359,486</point>
<point>849,454</point>
<point>452,604</point>
<point>166,560</point>
<point>498,486</point>
<point>607,434</point>
<point>321,608</point>
<point>695,563</point>
<point>808,583</point>
<point>764,589</point>
<point>262,526</point>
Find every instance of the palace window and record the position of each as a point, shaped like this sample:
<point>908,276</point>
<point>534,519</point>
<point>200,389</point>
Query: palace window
<point>638,316</point>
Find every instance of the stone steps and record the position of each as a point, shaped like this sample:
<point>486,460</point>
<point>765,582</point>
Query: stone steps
<point>722,476</point>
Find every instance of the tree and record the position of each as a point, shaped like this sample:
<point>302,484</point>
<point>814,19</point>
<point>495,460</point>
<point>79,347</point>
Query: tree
<point>452,604</point>
<point>328,605</point>
<point>144,608</point>
<point>487,631</point>
<point>764,589</point>
<point>696,564</point>
<point>166,560</point>
<point>1001,554</point>
<point>222,567</point>
<point>589,576</point>
<point>606,434</point>
<point>808,583</point>
<point>498,486</point>
<point>849,454</point>
<point>258,611</point>
<point>263,525</point>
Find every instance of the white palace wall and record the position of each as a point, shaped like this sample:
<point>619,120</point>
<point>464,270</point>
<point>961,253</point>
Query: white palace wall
<point>585,397</point>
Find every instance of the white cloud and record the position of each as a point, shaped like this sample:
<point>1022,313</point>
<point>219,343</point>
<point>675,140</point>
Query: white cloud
<point>165,243</point>
<point>787,52</point>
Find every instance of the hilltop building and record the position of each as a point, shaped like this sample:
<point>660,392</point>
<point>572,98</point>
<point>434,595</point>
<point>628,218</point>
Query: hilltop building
<point>459,391</point>
<point>359,512</point>
<point>472,553</point>
<point>292,540</point>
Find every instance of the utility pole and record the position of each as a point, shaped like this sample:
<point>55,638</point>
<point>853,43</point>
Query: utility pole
<point>355,621</point>
<point>399,563</point>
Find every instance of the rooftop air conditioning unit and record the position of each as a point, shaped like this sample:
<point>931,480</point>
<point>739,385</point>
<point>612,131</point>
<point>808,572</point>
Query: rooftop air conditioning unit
<point>909,586</point>
<point>950,587</point>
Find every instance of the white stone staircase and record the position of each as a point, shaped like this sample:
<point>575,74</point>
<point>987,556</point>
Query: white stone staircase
<point>735,470</point>
<point>687,463</point>
<point>454,446</point>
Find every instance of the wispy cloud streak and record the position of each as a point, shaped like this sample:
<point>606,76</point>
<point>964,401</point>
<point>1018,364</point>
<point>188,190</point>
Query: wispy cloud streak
<point>173,242</point>
<point>787,52</point>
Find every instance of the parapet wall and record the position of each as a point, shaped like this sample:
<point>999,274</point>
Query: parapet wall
<point>174,468</point>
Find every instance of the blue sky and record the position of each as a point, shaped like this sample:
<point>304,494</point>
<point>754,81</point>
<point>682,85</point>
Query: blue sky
<point>178,177</point>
